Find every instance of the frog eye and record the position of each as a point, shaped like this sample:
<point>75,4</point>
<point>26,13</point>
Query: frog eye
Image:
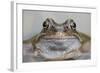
<point>73,25</point>
<point>45,24</point>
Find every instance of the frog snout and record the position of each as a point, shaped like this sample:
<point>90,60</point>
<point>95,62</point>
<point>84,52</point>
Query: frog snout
<point>59,29</point>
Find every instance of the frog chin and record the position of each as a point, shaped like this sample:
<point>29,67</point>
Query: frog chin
<point>57,48</point>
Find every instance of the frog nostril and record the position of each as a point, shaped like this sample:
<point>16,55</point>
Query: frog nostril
<point>65,28</point>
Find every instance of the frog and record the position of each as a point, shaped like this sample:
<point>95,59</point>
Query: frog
<point>59,41</point>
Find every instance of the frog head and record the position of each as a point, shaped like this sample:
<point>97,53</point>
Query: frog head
<point>49,25</point>
<point>56,39</point>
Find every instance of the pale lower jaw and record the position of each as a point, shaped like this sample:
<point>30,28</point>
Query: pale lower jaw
<point>66,44</point>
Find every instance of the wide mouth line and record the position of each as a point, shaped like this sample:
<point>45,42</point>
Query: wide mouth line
<point>65,37</point>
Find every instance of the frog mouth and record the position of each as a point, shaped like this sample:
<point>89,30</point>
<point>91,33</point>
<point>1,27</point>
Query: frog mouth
<point>58,36</point>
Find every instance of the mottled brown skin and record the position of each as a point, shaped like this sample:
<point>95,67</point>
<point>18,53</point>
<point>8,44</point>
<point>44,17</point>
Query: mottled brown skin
<point>69,29</point>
